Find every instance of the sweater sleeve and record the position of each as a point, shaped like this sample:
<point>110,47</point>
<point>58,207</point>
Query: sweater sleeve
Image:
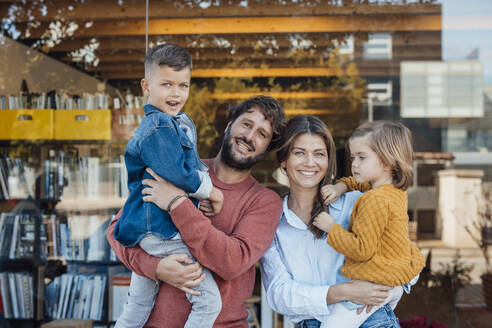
<point>135,258</point>
<point>352,184</point>
<point>230,255</point>
<point>367,224</point>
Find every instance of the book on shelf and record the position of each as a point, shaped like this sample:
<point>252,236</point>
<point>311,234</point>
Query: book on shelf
<point>63,175</point>
<point>20,296</point>
<point>25,244</point>
<point>1,301</point>
<point>118,291</point>
<point>89,178</point>
<point>6,226</point>
<point>4,290</point>
<point>4,175</point>
<point>80,238</point>
<point>16,179</point>
<point>73,237</point>
<point>93,180</point>
<point>76,295</point>
<point>55,100</point>
<point>18,236</point>
<point>52,181</point>
<point>17,295</point>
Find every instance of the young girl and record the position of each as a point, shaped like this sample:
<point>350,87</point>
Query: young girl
<point>376,245</point>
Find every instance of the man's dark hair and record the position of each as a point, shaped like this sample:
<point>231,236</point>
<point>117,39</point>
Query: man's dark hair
<point>269,107</point>
<point>168,54</point>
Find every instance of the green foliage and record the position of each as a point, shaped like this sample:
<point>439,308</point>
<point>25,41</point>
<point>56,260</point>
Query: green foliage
<point>451,276</point>
<point>346,90</point>
<point>202,109</point>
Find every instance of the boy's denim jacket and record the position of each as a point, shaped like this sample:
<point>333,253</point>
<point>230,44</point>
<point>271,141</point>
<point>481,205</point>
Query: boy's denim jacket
<point>159,143</point>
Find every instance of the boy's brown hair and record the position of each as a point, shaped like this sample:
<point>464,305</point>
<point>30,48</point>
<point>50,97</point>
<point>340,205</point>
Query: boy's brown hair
<point>168,54</point>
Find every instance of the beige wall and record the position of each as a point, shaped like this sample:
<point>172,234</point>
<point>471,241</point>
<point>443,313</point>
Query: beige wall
<point>459,193</point>
<point>41,72</point>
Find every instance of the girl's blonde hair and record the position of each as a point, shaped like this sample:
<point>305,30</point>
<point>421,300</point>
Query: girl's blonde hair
<point>392,143</point>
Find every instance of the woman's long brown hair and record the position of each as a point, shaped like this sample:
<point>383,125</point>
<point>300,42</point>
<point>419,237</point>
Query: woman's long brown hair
<point>307,124</point>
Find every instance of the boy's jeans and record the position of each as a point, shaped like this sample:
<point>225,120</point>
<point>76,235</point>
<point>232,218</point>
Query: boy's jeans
<point>382,318</point>
<point>142,293</point>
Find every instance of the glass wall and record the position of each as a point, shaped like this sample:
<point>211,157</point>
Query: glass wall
<point>426,63</point>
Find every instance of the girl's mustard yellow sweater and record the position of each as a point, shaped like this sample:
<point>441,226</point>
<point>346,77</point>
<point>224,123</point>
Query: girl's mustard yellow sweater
<point>376,246</point>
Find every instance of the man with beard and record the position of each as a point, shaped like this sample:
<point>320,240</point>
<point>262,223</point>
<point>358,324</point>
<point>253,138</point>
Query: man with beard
<point>230,243</point>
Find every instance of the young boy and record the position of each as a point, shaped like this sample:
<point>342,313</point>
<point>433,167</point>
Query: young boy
<point>165,141</point>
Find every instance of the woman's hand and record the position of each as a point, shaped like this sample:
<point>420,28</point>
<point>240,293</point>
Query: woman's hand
<point>360,292</point>
<point>178,270</point>
<point>161,192</point>
<point>324,221</point>
<point>331,193</point>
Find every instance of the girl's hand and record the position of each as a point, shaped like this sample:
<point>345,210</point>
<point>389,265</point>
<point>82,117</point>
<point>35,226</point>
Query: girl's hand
<point>216,200</point>
<point>206,207</point>
<point>324,221</point>
<point>161,192</point>
<point>213,205</point>
<point>331,193</point>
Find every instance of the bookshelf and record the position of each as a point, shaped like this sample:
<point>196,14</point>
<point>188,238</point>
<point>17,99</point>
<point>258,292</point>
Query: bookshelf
<point>62,177</point>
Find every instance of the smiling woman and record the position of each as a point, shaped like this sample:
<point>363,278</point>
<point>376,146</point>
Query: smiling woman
<point>303,283</point>
<point>307,163</point>
<point>307,153</point>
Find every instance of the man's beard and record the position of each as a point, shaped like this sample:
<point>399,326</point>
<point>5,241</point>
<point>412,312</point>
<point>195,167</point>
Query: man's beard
<point>228,159</point>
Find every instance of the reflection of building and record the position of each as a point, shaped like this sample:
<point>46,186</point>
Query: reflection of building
<point>339,62</point>
<point>287,50</point>
<point>471,140</point>
<point>290,42</point>
<point>441,89</point>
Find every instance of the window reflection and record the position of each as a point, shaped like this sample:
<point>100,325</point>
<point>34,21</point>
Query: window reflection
<point>339,59</point>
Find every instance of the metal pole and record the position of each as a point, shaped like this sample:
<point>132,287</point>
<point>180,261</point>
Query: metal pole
<point>266,312</point>
<point>146,26</point>
<point>369,109</point>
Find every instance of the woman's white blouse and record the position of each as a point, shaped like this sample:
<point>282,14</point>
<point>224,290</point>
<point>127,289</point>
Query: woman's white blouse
<point>297,270</point>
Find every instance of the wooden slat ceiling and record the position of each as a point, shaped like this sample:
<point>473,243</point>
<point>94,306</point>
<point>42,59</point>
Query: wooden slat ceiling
<point>231,39</point>
<point>207,43</point>
<point>130,9</point>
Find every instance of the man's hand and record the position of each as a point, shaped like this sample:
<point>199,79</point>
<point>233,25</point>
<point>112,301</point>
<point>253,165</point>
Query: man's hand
<point>324,221</point>
<point>161,192</point>
<point>331,193</point>
<point>178,270</point>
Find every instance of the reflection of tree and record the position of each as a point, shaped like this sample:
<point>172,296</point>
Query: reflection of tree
<point>347,90</point>
<point>202,110</point>
<point>45,24</point>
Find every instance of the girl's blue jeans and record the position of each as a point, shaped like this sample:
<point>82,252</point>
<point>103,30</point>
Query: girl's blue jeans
<point>382,318</point>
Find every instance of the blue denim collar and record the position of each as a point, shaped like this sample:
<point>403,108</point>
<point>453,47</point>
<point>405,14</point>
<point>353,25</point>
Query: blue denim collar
<point>149,109</point>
